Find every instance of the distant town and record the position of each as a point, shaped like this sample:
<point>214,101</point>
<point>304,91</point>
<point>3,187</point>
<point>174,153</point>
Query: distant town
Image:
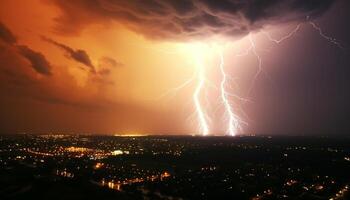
<point>173,167</point>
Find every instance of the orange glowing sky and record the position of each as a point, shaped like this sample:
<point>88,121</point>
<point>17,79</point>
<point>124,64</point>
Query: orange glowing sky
<point>124,100</point>
<point>133,72</point>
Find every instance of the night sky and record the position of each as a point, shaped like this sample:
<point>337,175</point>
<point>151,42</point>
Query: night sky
<point>104,67</point>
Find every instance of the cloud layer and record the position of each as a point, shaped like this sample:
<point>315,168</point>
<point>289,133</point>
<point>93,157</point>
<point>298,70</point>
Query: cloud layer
<point>180,19</point>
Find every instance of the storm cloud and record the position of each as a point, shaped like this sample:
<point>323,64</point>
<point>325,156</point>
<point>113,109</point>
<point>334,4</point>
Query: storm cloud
<point>186,19</point>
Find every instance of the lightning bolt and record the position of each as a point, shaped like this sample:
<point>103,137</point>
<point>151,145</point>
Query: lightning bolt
<point>174,90</point>
<point>233,120</point>
<point>252,48</point>
<point>204,128</point>
<point>329,39</point>
<point>287,36</point>
<point>297,28</point>
<point>259,69</point>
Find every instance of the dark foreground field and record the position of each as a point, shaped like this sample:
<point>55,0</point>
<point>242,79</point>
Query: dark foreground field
<point>173,167</point>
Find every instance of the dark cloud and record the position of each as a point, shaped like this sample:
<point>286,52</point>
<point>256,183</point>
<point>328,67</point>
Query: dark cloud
<point>180,19</point>
<point>37,60</point>
<point>78,55</point>
<point>6,35</point>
